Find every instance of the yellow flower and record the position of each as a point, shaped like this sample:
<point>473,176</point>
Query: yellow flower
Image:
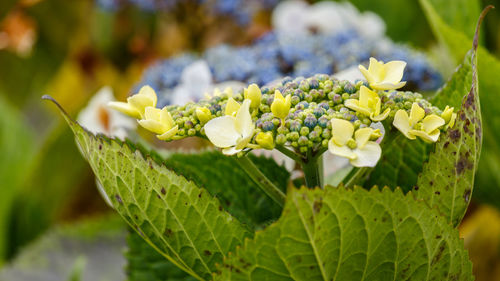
<point>203,114</point>
<point>232,133</point>
<point>281,106</point>
<point>382,76</point>
<point>369,104</point>
<point>265,140</point>
<point>449,116</point>
<point>160,122</point>
<point>416,125</point>
<point>254,94</point>
<point>232,107</point>
<point>360,151</point>
<point>136,104</point>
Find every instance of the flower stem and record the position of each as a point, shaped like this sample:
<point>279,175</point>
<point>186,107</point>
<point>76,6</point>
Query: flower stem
<point>313,170</point>
<point>261,180</point>
<point>289,153</point>
<point>354,176</point>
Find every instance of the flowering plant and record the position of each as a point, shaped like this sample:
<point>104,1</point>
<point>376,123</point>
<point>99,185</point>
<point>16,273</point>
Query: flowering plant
<point>209,213</point>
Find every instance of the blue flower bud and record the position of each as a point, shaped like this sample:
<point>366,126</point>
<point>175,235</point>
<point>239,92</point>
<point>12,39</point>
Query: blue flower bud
<point>295,126</point>
<point>299,93</point>
<point>268,126</point>
<point>319,111</point>
<point>313,84</point>
<point>310,121</point>
<point>323,121</point>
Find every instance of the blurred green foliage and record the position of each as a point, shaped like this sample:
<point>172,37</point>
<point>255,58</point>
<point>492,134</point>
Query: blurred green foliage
<point>91,249</point>
<point>17,147</point>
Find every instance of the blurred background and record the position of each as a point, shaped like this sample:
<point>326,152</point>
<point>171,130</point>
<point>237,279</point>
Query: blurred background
<point>84,53</point>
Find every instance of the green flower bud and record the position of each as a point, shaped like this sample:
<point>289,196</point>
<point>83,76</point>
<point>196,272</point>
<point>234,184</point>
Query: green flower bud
<point>265,140</point>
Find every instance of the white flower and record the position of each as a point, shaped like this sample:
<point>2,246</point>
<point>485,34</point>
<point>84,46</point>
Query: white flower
<point>97,117</point>
<point>325,17</point>
<point>232,133</point>
<point>360,151</point>
<point>196,80</point>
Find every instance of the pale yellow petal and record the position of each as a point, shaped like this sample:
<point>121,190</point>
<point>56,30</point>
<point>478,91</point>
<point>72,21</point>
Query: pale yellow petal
<point>354,105</point>
<point>431,123</point>
<point>452,120</point>
<point>152,113</point>
<point>425,136</point>
<point>230,150</point>
<point>243,122</point>
<point>342,131</point>
<point>288,101</point>
<point>447,113</point>
<point>153,126</point>
<point>140,102</point>
<point>367,156</point>
<point>362,136</point>
<point>169,134</point>
<point>394,72</point>
<point>366,74</point>
<point>232,107</point>
<point>221,131</point>
<point>366,97</point>
<point>125,108</point>
<point>342,151</point>
<point>148,92</point>
<point>402,123</point>
<point>382,116</point>
<point>376,69</point>
<point>416,114</point>
<point>387,86</point>
<point>242,143</point>
<point>166,118</point>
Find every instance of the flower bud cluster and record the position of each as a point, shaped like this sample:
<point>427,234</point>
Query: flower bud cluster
<point>314,102</point>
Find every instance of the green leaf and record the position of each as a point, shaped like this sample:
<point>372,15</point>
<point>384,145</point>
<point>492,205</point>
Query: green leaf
<point>340,234</point>
<point>146,264</point>
<point>401,162</point>
<point>488,180</point>
<point>447,179</point>
<point>180,220</point>
<point>223,177</point>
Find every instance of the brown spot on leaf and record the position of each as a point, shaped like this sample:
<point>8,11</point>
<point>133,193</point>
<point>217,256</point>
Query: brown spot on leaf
<point>437,193</point>
<point>317,206</point>
<point>207,253</point>
<point>438,255</point>
<point>462,115</point>
<point>119,199</point>
<point>168,232</point>
<point>454,135</point>
<point>470,100</point>
<point>462,165</point>
<point>163,191</point>
<point>467,195</point>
